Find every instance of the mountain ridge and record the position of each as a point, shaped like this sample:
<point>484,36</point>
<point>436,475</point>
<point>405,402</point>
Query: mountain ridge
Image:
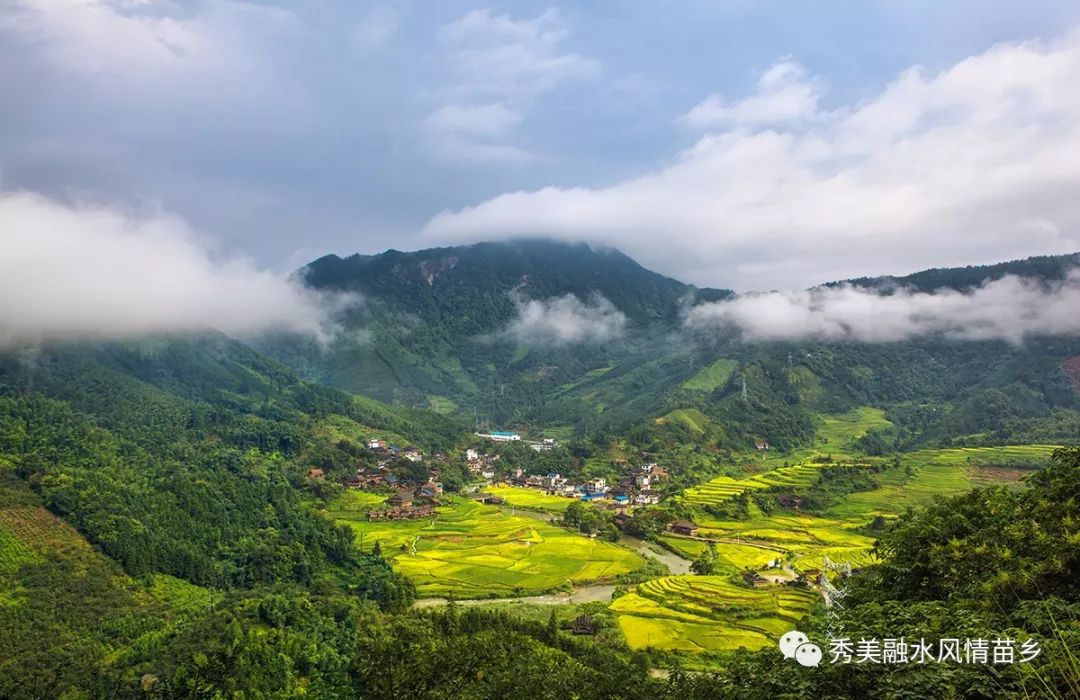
<point>433,331</point>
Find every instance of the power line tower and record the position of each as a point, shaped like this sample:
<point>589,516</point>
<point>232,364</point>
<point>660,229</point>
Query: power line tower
<point>744,388</point>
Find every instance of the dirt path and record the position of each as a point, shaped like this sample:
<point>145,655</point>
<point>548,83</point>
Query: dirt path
<point>582,594</point>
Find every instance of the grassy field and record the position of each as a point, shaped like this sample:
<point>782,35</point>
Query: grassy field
<point>835,436</point>
<point>940,472</point>
<point>441,404</point>
<point>532,499</point>
<point>708,613</point>
<point>711,376</point>
<point>473,550</point>
<point>339,427</point>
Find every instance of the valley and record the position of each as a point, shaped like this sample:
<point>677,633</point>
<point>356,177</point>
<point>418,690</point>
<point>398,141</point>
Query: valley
<point>518,552</point>
<point>177,509</point>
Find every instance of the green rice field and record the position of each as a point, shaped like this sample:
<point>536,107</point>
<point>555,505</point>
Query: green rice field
<point>717,613</point>
<point>533,499</point>
<point>709,613</point>
<point>474,550</point>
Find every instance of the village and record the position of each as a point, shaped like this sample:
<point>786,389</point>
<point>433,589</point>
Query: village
<point>638,485</point>
<point>417,498</point>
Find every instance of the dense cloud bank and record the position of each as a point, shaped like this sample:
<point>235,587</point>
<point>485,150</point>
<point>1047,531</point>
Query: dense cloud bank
<point>973,164</point>
<point>1009,309</point>
<point>75,272</point>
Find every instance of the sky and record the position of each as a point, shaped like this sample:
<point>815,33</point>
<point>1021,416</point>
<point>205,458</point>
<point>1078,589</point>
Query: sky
<point>753,145</point>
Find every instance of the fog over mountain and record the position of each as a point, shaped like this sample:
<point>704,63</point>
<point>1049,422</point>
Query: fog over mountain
<point>1011,309</point>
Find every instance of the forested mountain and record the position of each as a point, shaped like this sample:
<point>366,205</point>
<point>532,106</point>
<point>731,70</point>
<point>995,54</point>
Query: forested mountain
<point>437,327</point>
<point>1043,267</point>
<point>466,289</point>
<point>442,328</point>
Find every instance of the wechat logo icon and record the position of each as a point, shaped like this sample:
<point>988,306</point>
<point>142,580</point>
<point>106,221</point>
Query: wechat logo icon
<point>796,645</point>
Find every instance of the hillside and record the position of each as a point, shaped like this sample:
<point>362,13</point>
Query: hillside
<point>437,328</point>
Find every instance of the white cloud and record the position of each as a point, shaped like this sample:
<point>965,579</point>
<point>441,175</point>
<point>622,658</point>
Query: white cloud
<point>943,169</point>
<point>93,36</point>
<point>498,66</point>
<point>566,320</point>
<point>140,42</point>
<point>506,57</point>
<point>475,133</point>
<point>477,120</point>
<point>785,94</point>
<point>1010,308</point>
<point>376,28</point>
<point>92,272</point>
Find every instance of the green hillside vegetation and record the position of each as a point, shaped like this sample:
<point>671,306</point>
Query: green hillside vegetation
<point>66,610</point>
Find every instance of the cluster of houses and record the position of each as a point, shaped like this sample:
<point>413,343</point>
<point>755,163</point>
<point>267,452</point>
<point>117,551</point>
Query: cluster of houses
<point>481,464</point>
<point>636,487</point>
<point>407,504</point>
<point>382,476</point>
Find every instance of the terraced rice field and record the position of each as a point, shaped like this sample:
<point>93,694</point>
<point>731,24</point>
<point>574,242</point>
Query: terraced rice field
<point>835,435</point>
<point>714,613</point>
<point>723,488</point>
<point>473,550</point>
<point>708,613</point>
<point>938,472</point>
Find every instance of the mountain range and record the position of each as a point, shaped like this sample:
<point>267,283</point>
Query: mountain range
<point>567,339</point>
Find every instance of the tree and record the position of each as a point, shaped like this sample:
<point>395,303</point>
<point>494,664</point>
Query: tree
<point>705,564</point>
